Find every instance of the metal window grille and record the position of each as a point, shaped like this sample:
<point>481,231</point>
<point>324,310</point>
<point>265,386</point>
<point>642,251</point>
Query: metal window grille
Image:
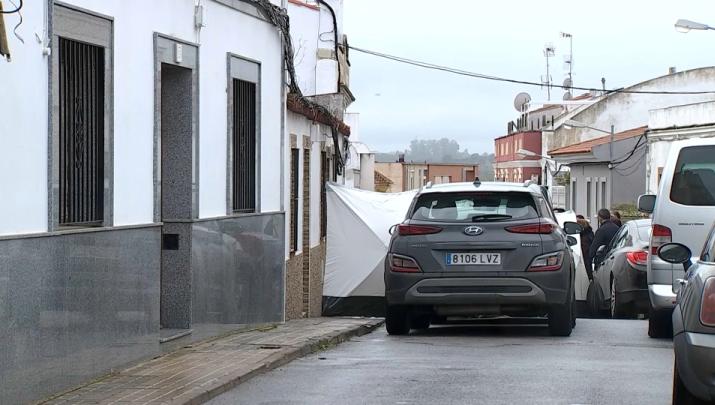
<point>324,167</point>
<point>294,199</point>
<point>81,133</point>
<point>244,146</point>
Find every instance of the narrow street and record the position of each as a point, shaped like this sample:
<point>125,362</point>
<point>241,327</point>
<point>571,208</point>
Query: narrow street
<point>603,362</point>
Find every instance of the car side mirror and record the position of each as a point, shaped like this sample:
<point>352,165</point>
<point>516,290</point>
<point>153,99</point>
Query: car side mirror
<point>676,253</point>
<point>571,241</point>
<point>572,228</point>
<point>392,229</point>
<point>646,203</point>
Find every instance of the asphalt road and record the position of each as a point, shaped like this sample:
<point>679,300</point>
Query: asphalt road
<point>603,362</point>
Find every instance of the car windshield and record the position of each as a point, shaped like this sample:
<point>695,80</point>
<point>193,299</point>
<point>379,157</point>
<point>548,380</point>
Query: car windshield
<point>694,177</point>
<point>475,207</point>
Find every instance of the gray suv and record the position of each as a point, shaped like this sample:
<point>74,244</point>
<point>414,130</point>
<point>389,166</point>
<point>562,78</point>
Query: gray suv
<point>475,250</point>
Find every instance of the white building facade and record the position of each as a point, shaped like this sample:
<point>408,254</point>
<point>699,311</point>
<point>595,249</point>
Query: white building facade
<point>142,150</point>
<point>667,125</point>
<point>319,148</point>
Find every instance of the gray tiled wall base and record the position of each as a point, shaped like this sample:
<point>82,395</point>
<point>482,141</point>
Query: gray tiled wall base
<point>74,306</point>
<point>176,278</point>
<point>238,270</point>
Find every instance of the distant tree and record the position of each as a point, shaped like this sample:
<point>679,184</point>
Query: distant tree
<point>442,150</point>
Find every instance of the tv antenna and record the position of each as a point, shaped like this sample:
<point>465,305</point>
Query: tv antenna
<point>568,60</point>
<point>549,52</point>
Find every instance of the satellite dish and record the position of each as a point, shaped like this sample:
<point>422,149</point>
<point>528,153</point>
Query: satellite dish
<point>521,101</point>
<point>567,96</point>
<point>568,82</point>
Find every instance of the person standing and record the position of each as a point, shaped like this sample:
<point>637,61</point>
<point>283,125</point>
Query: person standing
<point>586,241</point>
<point>607,229</point>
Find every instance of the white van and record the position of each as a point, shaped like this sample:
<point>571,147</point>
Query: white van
<point>683,211</point>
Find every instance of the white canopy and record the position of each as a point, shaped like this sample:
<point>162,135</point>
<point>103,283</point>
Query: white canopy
<point>359,222</point>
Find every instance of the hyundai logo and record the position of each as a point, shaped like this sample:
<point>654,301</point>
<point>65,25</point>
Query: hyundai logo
<point>473,230</point>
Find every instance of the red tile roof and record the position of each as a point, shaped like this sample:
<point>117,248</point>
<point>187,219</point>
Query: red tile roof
<point>586,146</point>
<point>302,107</point>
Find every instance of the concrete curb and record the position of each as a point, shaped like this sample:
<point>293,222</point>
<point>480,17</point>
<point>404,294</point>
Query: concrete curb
<point>284,358</point>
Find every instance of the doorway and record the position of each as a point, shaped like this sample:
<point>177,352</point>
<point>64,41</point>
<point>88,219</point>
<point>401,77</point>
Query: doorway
<point>176,192</point>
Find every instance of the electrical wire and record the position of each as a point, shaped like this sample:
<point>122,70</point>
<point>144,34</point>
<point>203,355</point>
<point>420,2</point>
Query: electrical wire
<point>335,37</point>
<point>634,163</point>
<point>456,71</point>
<point>637,145</point>
<point>17,9</point>
<point>14,31</point>
<point>279,18</point>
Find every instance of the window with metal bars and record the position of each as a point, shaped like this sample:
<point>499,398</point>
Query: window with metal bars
<point>294,156</point>
<point>324,167</point>
<point>81,133</point>
<point>244,146</point>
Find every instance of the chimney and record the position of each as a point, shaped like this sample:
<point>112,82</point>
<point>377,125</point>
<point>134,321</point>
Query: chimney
<point>401,158</point>
<point>671,70</point>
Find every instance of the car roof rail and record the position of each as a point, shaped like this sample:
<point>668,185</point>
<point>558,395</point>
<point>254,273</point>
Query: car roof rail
<point>529,183</point>
<point>428,185</point>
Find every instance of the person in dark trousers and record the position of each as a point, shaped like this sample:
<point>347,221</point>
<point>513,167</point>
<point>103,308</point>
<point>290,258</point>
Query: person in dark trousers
<point>586,241</point>
<point>607,229</point>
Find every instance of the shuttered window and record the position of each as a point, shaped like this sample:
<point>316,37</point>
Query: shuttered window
<point>294,166</point>
<point>324,167</point>
<point>244,146</point>
<point>81,133</point>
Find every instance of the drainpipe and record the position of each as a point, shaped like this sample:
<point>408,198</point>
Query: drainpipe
<point>610,169</point>
<point>284,105</point>
<point>284,100</point>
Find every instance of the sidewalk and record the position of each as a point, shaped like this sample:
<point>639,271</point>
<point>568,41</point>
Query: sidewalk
<point>197,373</point>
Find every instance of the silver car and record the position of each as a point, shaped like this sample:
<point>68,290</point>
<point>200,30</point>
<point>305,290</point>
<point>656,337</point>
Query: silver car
<point>469,250</point>
<point>694,324</point>
<point>620,277</point>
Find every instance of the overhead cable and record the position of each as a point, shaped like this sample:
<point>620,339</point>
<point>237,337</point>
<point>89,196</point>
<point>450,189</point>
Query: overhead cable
<point>638,145</point>
<point>17,9</point>
<point>456,71</point>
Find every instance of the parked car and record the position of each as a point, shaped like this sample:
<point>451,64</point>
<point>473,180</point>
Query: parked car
<point>694,324</point>
<point>620,276</point>
<point>682,213</point>
<point>469,250</point>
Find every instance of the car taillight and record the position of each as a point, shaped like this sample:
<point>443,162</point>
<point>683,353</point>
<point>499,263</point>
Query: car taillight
<point>707,306</point>
<point>539,227</point>
<point>637,258</point>
<point>403,264</point>
<point>406,230</point>
<point>547,262</point>
<point>661,236</point>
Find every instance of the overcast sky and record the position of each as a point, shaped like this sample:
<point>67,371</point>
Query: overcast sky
<point>624,41</point>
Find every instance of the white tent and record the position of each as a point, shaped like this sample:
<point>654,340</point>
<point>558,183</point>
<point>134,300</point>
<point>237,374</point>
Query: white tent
<point>359,222</point>
<point>358,237</point>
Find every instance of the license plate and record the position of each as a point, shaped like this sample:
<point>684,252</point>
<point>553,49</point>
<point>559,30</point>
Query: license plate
<point>463,259</point>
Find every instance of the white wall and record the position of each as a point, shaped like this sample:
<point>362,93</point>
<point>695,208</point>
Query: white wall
<point>304,22</point>
<point>23,127</point>
<point>24,120</point>
<point>311,30</point>
<point>682,116</point>
<point>626,111</point>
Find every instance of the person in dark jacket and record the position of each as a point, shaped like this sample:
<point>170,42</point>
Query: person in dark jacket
<point>606,231</point>
<point>586,241</point>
